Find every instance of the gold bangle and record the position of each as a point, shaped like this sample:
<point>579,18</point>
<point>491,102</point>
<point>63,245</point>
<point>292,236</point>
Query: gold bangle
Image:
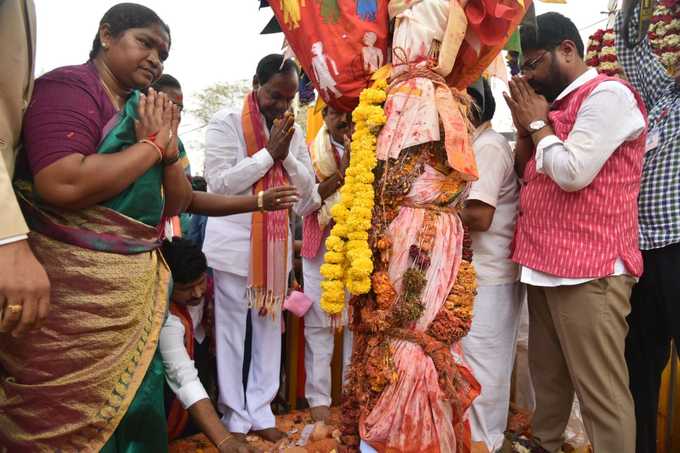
<point>155,146</point>
<point>228,436</point>
<point>260,200</point>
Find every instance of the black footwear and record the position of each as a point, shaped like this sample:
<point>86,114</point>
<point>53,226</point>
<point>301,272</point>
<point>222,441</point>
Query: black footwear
<point>520,443</point>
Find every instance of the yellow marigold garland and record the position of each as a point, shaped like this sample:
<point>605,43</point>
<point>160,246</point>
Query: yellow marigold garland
<point>348,262</point>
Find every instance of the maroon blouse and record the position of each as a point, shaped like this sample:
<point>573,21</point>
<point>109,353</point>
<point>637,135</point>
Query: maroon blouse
<point>67,114</point>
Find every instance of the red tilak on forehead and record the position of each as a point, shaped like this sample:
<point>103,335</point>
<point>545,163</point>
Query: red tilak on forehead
<point>180,98</point>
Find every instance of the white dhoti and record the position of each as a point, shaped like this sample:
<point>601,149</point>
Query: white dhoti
<point>489,349</point>
<point>319,337</point>
<point>249,410</point>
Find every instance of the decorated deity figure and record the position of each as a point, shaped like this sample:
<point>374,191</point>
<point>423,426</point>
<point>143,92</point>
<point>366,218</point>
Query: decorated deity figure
<point>398,244</point>
<point>409,388</point>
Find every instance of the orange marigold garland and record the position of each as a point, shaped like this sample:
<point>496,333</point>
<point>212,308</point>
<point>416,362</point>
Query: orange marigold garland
<point>385,294</point>
<point>455,318</point>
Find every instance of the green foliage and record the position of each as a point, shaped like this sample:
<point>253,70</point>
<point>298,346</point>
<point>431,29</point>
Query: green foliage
<point>231,94</point>
<point>219,96</point>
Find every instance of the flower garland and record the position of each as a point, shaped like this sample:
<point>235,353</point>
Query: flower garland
<point>601,53</point>
<point>664,33</point>
<point>348,262</point>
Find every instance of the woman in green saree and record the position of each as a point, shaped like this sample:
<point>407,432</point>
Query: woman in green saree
<point>104,170</point>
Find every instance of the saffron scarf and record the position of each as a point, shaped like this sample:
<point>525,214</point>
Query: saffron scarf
<point>268,275</point>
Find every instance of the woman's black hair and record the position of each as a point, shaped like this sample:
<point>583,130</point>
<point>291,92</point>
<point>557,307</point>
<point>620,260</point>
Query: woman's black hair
<point>185,259</point>
<point>484,103</point>
<point>551,29</point>
<point>166,81</point>
<point>124,16</point>
<point>274,64</point>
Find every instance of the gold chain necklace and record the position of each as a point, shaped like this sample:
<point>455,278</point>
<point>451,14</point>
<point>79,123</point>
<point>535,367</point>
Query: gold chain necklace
<point>116,100</point>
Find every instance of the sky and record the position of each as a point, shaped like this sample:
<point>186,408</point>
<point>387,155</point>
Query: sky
<point>212,40</point>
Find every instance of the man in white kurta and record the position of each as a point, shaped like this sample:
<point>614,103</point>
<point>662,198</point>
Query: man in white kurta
<point>490,214</point>
<point>230,171</point>
<point>330,159</point>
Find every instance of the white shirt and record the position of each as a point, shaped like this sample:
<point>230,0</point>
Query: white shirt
<point>180,372</point>
<point>607,118</point>
<point>230,171</point>
<point>196,313</point>
<point>339,146</point>
<point>317,202</point>
<point>497,186</point>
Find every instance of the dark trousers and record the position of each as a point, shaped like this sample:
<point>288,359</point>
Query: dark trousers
<point>653,321</point>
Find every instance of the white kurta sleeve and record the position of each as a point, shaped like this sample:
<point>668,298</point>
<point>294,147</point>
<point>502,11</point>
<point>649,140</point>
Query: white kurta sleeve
<point>574,163</point>
<point>227,171</point>
<point>180,372</point>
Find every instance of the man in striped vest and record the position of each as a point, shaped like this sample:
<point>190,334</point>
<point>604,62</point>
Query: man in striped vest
<point>579,153</point>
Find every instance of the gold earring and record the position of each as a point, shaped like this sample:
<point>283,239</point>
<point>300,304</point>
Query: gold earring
<point>105,46</point>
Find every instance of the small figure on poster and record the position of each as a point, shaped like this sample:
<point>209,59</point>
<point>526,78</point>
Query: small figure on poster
<point>322,72</point>
<point>373,56</point>
<point>367,9</point>
<point>291,12</point>
<point>330,11</point>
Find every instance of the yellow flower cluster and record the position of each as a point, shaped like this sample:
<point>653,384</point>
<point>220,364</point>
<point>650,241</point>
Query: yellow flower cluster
<point>348,262</point>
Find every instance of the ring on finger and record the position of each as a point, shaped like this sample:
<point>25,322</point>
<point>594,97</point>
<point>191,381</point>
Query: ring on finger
<point>12,311</point>
<point>14,308</point>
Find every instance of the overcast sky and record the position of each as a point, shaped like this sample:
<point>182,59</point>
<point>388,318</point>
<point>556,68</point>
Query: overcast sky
<point>212,40</point>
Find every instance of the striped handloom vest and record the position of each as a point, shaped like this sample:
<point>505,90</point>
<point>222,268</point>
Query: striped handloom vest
<point>581,234</point>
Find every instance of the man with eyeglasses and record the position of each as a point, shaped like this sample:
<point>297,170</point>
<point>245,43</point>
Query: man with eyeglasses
<point>579,152</point>
<point>655,311</point>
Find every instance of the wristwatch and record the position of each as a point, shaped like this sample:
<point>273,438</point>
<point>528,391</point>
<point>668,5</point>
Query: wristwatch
<point>260,200</point>
<point>537,125</point>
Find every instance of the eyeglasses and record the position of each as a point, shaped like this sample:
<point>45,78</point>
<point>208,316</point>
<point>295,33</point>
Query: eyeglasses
<point>531,66</point>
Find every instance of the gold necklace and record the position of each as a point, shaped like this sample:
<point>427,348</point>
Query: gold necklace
<point>116,100</point>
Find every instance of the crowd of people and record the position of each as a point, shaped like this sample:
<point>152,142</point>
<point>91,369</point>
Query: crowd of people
<point>121,331</point>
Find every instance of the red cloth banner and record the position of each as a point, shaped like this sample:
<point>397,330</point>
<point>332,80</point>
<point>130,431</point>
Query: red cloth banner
<point>339,43</point>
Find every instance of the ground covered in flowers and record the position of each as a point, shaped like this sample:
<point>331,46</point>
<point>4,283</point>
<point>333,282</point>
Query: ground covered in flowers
<point>296,422</point>
<point>301,438</point>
